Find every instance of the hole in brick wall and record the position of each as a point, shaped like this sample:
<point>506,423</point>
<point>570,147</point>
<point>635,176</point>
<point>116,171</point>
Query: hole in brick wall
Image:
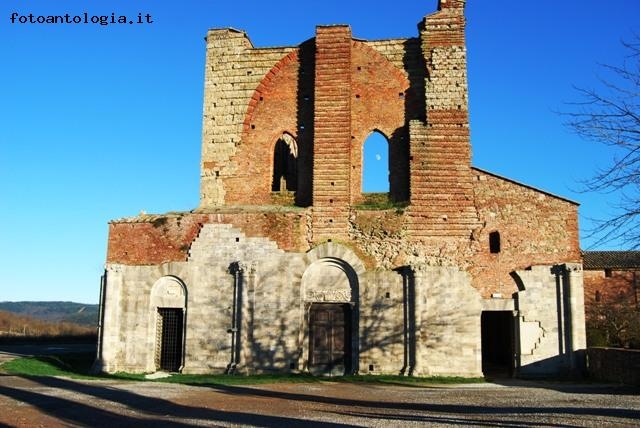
<point>249,72</point>
<point>353,138</point>
<point>261,98</point>
<point>358,96</point>
<point>217,173</point>
<point>330,201</point>
<point>231,103</point>
<point>455,68</point>
<point>371,367</point>
<point>459,107</point>
<point>214,104</point>
<point>494,242</point>
<point>333,183</point>
<point>598,296</point>
<point>330,220</point>
<point>387,294</point>
<point>237,239</point>
<point>359,68</point>
<point>253,126</point>
<point>329,240</point>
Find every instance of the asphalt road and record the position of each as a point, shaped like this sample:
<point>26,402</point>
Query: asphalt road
<point>8,352</point>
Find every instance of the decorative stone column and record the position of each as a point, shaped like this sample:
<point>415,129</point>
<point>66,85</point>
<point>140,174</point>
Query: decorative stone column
<point>575,289</point>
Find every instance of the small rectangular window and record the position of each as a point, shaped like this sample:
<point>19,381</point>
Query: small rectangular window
<point>494,242</point>
<point>607,273</point>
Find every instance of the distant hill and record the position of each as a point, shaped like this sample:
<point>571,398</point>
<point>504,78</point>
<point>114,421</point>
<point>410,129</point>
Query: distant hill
<point>77,313</point>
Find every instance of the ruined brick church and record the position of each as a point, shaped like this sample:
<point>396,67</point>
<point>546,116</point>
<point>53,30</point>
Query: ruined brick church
<point>287,266</point>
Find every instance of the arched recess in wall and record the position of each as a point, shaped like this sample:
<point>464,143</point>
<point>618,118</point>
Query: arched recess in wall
<point>330,295</point>
<point>375,163</point>
<point>168,306</point>
<point>285,164</point>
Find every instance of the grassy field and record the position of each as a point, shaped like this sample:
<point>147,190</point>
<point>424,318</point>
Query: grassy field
<point>78,366</point>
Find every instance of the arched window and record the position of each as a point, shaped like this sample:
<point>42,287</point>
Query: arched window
<point>285,168</point>
<point>494,242</point>
<point>375,163</point>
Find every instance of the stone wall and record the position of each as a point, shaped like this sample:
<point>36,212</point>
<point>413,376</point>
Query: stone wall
<point>551,325</point>
<point>614,365</point>
<point>535,228</point>
<point>155,239</point>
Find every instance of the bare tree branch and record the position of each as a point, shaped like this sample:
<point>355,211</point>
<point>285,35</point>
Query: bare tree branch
<point>610,115</point>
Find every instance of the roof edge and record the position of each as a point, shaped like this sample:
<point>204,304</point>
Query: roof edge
<point>562,198</point>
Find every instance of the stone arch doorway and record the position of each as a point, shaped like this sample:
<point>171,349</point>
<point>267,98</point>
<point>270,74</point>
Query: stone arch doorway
<point>330,295</point>
<point>168,314</point>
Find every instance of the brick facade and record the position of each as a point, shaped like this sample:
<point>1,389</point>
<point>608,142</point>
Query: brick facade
<point>281,180</point>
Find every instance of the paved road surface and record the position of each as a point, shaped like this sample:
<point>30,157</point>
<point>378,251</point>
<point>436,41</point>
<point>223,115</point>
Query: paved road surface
<point>8,352</point>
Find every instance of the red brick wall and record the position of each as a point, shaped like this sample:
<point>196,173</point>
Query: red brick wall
<point>150,240</point>
<point>620,283</point>
<point>332,132</point>
<point>272,111</point>
<point>535,229</point>
<point>378,103</point>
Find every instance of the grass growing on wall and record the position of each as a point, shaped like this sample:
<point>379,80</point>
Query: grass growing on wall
<point>379,201</point>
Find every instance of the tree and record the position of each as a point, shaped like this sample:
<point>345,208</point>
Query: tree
<point>614,321</point>
<point>611,115</point>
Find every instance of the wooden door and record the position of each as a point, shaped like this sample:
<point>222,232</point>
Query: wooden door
<point>329,334</point>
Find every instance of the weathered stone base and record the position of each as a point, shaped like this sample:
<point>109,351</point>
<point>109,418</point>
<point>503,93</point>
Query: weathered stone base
<point>246,308</point>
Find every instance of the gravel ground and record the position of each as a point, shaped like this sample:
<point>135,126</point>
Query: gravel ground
<point>54,402</point>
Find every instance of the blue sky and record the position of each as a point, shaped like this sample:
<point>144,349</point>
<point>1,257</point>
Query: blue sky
<point>101,122</point>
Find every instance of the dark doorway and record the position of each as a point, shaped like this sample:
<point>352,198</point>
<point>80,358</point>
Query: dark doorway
<point>330,339</point>
<point>170,327</point>
<point>497,343</point>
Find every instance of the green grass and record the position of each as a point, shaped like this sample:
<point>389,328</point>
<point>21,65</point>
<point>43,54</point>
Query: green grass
<point>78,365</point>
<point>379,201</point>
<point>75,365</point>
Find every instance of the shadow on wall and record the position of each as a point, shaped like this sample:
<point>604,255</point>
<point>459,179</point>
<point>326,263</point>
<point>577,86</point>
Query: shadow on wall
<point>305,131</point>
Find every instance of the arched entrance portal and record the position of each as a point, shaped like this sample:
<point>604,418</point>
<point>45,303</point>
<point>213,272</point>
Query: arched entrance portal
<point>330,294</point>
<point>167,312</point>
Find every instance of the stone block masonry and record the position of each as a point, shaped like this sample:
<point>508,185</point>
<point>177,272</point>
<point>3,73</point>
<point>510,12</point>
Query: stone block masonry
<point>281,268</point>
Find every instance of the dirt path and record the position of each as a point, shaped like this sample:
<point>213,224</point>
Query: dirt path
<point>55,402</point>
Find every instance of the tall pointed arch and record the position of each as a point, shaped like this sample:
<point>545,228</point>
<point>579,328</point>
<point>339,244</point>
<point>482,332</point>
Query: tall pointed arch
<point>285,164</point>
<point>375,163</point>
